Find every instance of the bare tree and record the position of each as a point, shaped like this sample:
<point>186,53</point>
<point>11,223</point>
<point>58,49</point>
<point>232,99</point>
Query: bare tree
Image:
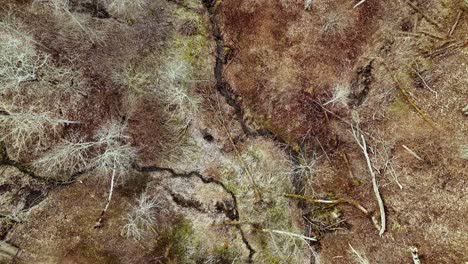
<point>116,158</point>
<point>142,217</point>
<point>19,61</point>
<point>23,127</point>
<point>66,158</point>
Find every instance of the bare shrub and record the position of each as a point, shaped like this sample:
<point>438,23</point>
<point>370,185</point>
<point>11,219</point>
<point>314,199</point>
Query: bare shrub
<point>138,84</point>
<point>116,153</point>
<point>341,92</point>
<point>19,61</point>
<point>21,128</point>
<point>72,23</point>
<point>110,153</point>
<point>117,157</point>
<point>141,218</point>
<point>65,159</point>
<point>305,165</point>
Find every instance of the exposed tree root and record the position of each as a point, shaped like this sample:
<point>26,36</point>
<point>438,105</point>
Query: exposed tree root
<point>338,201</point>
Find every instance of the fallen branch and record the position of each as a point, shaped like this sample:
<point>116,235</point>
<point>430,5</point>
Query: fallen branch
<point>415,255</point>
<point>452,29</point>
<point>428,18</point>
<point>359,3</point>
<point>412,153</point>
<point>109,198</point>
<point>350,170</point>
<point>10,217</point>
<point>421,34</point>
<point>338,201</point>
<point>446,47</point>
<point>361,141</point>
<point>289,234</point>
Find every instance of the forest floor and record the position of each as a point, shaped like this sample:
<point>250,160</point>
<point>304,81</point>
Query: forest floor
<point>247,131</point>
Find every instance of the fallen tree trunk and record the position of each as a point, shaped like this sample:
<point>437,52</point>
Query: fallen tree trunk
<point>7,253</point>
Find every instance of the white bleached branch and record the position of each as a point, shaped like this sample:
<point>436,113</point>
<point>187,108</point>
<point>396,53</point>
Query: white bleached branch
<point>361,141</point>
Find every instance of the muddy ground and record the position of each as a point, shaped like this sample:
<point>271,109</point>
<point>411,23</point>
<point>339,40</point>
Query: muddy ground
<point>242,122</point>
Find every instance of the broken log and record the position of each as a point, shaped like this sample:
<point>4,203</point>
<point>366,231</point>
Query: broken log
<point>7,253</point>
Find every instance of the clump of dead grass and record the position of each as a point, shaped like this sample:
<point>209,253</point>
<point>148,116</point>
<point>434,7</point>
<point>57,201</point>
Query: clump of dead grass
<point>335,21</point>
<point>124,7</point>
<point>175,89</point>
<point>341,92</point>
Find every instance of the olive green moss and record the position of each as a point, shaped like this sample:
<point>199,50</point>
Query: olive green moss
<point>398,108</point>
<point>193,48</point>
<point>172,244</point>
<point>180,244</point>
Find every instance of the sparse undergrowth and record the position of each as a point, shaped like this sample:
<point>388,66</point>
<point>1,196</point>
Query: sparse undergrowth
<point>90,90</point>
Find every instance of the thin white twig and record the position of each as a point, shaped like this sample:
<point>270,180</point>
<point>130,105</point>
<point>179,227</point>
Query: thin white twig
<point>289,234</point>
<point>109,198</point>
<point>425,84</point>
<point>412,153</point>
<point>395,177</point>
<point>359,3</point>
<point>359,257</point>
<point>362,143</point>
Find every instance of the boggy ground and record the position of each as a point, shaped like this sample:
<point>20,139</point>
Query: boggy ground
<point>309,76</point>
<point>239,115</point>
